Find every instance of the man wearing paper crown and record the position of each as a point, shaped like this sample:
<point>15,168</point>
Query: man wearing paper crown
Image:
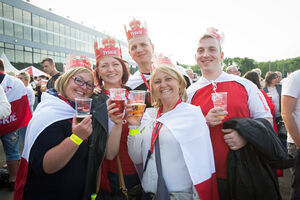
<point>77,61</point>
<point>141,51</point>
<point>162,60</point>
<point>244,101</point>
<point>108,141</point>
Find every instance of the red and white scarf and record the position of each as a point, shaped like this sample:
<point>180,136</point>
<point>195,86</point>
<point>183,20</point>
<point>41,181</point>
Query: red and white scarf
<point>16,94</point>
<point>50,110</point>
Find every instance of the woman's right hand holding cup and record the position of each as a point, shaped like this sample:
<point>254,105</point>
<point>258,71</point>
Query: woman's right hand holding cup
<point>215,116</point>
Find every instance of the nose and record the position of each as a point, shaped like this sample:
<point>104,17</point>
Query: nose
<point>205,52</point>
<point>139,48</point>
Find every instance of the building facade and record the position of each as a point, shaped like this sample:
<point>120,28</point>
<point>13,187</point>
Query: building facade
<point>29,34</point>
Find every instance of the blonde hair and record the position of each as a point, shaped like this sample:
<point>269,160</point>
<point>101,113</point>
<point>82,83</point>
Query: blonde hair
<point>206,36</point>
<point>62,81</point>
<point>26,76</point>
<point>173,73</point>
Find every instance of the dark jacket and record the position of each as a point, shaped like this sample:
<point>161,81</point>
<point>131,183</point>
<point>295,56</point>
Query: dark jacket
<point>97,143</point>
<point>250,170</point>
<point>278,89</point>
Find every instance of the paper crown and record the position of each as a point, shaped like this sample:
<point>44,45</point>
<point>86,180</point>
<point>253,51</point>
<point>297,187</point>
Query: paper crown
<point>136,29</point>
<point>108,49</point>
<point>214,33</point>
<point>77,61</point>
<point>162,60</point>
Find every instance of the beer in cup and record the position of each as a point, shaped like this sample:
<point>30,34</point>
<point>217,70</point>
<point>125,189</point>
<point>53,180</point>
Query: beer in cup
<point>220,100</point>
<point>117,96</point>
<point>44,84</point>
<point>83,108</point>
<point>137,100</point>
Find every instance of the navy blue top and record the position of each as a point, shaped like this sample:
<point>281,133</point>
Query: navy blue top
<point>67,183</point>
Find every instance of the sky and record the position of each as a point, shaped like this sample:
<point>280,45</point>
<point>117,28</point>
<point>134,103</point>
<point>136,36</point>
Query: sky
<point>263,30</point>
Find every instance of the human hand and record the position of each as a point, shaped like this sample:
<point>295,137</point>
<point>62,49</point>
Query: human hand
<point>215,116</point>
<point>233,139</point>
<point>131,118</point>
<point>117,119</point>
<point>84,128</point>
<point>97,90</point>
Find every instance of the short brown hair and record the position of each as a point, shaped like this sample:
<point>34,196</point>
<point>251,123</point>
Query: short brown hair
<point>254,77</point>
<point>62,81</point>
<point>1,65</point>
<point>50,60</point>
<point>176,75</point>
<point>269,77</point>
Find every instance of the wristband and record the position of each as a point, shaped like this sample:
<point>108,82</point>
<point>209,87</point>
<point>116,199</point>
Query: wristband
<point>77,140</point>
<point>134,131</point>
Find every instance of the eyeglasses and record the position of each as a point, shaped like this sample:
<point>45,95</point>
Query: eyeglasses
<point>78,81</point>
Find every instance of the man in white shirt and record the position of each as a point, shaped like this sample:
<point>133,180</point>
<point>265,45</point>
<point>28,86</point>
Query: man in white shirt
<point>290,112</point>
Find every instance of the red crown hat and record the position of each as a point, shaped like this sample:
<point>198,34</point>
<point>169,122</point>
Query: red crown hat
<point>214,33</point>
<point>161,60</point>
<point>136,29</point>
<point>77,61</point>
<point>108,50</point>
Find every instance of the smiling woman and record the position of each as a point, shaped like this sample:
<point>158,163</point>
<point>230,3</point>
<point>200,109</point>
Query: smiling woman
<point>53,150</point>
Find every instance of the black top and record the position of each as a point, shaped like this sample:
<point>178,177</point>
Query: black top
<point>50,83</point>
<point>67,183</point>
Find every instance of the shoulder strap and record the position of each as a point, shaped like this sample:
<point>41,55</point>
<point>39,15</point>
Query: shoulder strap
<point>121,178</point>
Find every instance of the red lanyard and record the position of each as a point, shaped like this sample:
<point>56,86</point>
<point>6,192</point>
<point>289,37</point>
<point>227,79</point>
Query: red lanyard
<point>156,129</point>
<point>145,81</point>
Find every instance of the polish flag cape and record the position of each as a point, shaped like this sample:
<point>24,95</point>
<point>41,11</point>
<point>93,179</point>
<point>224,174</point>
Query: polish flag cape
<point>193,136</point>
<point>16,94</point>
<point>136,80</point>
<point>50,110</point>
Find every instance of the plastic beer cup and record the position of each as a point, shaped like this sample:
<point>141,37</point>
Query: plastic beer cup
<point>117,96</point>
<point>83,108</point>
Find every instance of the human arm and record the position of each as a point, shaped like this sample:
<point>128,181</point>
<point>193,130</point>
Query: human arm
<point>233,139</point>
<point>58,156</point>
<point>5,108</point>
<point>288,106</point>
<point>215,116</point>
<point>113,143</point>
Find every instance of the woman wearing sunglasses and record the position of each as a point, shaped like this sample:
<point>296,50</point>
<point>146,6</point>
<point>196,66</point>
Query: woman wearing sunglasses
<point>108,142</point>
<point>53,164</point>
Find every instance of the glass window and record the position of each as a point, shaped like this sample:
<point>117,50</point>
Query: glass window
<point>56,39</point>
<point>10,54</point>
<point>63,55</point>
<point>43,23</point>
<point>19,56</point>
<point>62,41</point>
<point>36,35</point>
<point>7,11</point>
<point>18,15</point>
<point>67,31</point>
<point>50,25</point>
<point>36,58</point>
<point>78,45</point>
<point>9,46</point>
<point>28,57</point>
<point>73,33</point>
<point>19,47</point>
<point>50,53</point>
<point>43,34</point>
<point>35,20</point>
<point>56,27</point>
<point>68,43</point>
<point>50,38</point>
<point>1,50</point>
<point>73,44</point>
<point>1,11</point>
<point>43,51</point>
<point>1,44</point>
<point>77,33</point>
<point>8,28</point>
<point>1,27</point>
<point>18,31</point>
<point>26,17</point>
<point>27,33</point>
<point>28,49</point>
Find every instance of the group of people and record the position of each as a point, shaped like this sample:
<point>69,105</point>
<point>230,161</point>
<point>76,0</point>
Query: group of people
<point>182,148</point>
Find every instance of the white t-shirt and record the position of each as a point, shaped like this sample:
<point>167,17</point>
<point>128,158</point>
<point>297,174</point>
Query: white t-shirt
<point>291,87</point>
<point>30,94</point>
<point>275,100</point>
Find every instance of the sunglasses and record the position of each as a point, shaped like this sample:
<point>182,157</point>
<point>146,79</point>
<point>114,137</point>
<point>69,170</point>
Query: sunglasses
<point>78,81</point>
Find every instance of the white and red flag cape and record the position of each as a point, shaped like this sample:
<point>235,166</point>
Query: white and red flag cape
<point>188,125</point>
<point>50,110</point>
<point>16,94</point>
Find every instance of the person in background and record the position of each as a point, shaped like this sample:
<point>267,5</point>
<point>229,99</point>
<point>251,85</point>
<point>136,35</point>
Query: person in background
<point>186,161</point>
<point>108,141</point>
<point>190,73</point>
<point>25,78</point>
<point>291,115</point>
<point>49,67</point>
<point>273,90</point>
<point>5,108</point>
<point>38,87</point>
<point>244,101</point>
<point>261,80</point>
<point>54,160</point>
<point>141,50</point>
<point>233,70</point>
<point>16,94</point>
<point>279,75</point>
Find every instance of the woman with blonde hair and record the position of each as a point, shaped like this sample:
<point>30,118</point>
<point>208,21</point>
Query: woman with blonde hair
<point>172,142</point>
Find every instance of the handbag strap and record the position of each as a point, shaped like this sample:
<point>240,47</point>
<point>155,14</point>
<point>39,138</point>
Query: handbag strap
<point>121,178</point>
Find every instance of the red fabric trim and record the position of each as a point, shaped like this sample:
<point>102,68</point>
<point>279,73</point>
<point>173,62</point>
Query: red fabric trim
<point>2,73</point>
<point>145,81</point>
<point>21,179</point>
<point>208,190</point>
